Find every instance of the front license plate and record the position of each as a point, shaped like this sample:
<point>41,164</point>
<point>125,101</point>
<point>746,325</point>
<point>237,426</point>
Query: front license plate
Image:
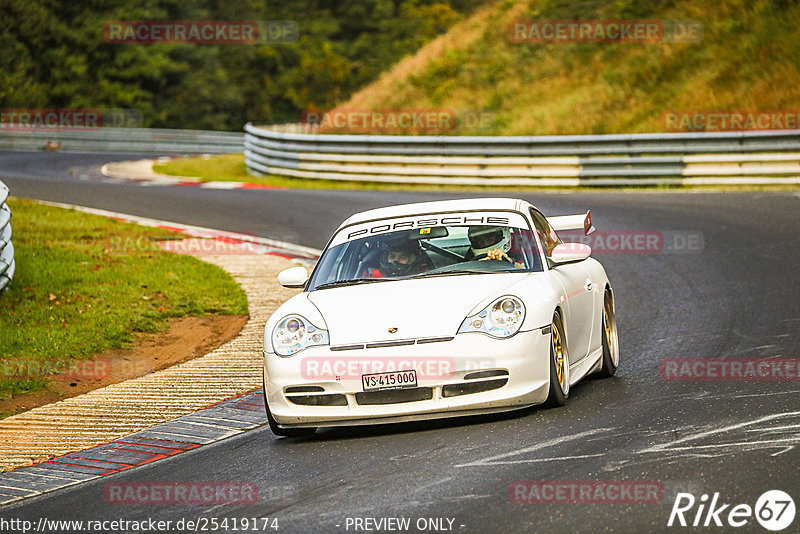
<point>395,379</point>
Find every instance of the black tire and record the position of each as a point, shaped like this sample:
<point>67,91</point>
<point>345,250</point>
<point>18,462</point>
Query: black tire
<point>608,324</point>
<point>559,382</point>
<point>284,432</point>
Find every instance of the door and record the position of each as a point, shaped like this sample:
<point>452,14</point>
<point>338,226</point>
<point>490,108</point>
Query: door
<point>578,305</point>
<point>578,295</point>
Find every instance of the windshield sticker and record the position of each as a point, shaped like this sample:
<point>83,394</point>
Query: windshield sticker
<point>423,224</point>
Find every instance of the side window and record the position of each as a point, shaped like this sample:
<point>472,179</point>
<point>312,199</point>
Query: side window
<point>546,233</point>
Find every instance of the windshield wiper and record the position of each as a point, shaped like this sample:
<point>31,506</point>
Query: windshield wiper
<point>457,271</point>
<point>351,282</point>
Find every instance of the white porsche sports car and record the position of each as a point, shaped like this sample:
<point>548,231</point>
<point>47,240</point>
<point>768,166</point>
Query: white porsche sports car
<point>438,309</point>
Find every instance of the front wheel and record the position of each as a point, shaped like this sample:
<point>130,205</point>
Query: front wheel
<point>559,365</point>
<point>610,339</point>
<point>284,432</point>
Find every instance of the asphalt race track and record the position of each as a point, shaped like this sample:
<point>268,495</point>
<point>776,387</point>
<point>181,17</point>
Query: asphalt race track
<point>736,296</point>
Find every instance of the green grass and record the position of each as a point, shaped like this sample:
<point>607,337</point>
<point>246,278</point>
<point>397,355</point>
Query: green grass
<point>86,283</point>
<point>232,168</point>
<point>227,167</point>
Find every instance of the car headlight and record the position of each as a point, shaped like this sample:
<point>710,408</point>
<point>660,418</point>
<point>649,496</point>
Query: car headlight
<point>502,318</point>
<point>294,333</point>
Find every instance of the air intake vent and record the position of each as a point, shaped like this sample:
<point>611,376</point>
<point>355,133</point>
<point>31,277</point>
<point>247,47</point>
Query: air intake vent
<point>390,344</point>
<point>394,396</point>
<point>318,400</point>
<point>485,374</point>
<point>304,389</point>
<point>347,347</point>
<point>455,390</point>
<point>434,340</point>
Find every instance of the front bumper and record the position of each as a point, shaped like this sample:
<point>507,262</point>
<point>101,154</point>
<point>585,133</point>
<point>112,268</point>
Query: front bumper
<point>322,387</point>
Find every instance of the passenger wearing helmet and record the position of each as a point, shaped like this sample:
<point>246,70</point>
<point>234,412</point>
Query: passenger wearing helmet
<point>491,243</point>
<point>400,259</point>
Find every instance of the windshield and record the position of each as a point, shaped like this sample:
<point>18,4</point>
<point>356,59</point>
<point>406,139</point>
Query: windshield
<point>427,246</point>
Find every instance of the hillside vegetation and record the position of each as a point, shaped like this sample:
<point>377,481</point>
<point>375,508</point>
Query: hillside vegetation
<point>748,59</point>
<point>56,55</point>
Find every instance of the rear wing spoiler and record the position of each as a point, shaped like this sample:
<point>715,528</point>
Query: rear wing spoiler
<point>573,222</point>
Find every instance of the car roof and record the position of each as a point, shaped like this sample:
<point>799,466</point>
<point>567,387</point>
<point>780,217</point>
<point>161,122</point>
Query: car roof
<point>437,206</point>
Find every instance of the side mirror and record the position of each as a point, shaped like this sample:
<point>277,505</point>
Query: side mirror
<point>570,252</point>
<point>294,277</point>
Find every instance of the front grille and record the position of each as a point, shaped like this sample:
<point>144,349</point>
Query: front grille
<point>393,343</point>
<point>390,344</point>
<point>455,390</point>
<point>318,400</point>
<point>394,396</point>
<point>434,340</point>
<point>347,347</point>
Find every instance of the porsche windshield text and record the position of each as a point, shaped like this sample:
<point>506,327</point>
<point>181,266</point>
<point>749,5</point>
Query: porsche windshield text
<point>386,227</point>
<point>425,246</point>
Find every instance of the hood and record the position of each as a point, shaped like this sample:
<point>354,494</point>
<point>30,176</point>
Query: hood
<point>424,307</point>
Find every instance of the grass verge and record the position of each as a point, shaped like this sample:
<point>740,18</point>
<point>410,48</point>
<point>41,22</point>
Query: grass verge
<point>232,168</point>
<point>86,283</point>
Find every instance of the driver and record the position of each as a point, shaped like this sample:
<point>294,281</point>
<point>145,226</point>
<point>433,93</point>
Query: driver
<point>491,243</point>
<point>401,258</point>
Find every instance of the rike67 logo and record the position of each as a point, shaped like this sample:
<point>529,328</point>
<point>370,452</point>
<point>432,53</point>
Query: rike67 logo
<point>774,510</point>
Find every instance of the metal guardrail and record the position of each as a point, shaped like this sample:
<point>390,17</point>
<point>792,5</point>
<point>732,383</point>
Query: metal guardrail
<point>145,140</point>
<point>7,262</point>
<point>760,157</point>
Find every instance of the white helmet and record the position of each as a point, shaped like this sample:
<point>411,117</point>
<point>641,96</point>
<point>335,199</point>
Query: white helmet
<point>486,238</point>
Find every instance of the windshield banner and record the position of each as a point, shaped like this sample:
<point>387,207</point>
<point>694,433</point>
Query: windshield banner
<point>424,223</point>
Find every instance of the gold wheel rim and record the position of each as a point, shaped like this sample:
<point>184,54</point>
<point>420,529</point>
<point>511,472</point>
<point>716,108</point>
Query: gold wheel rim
<point>611,338</point>
<point>558,354</point>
